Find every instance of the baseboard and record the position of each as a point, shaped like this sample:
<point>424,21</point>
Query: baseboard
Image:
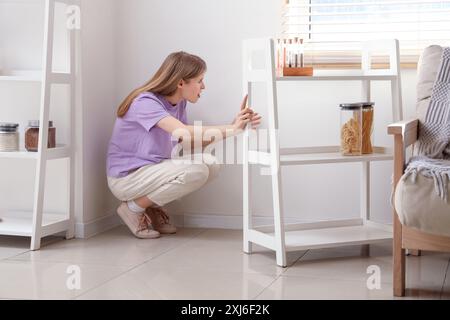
<point>188,220</point>
<point>233,222</point>
<point>90,229</point>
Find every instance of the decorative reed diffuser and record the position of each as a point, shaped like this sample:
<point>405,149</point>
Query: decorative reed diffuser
<point>290,58</point>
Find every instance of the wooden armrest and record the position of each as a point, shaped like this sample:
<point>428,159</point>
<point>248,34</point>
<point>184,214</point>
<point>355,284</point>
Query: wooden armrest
<point>405,134</point>
<point>408,130</point>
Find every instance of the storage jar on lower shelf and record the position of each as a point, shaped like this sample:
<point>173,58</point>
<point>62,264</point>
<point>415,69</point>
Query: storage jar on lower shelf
<point>9,137</point>
<point>356,128</point>
<point>32,136</point>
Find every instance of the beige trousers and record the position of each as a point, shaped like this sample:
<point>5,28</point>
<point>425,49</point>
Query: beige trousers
<point>165,182</point>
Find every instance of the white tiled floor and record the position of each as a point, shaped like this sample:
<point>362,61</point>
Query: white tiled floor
<point>205,264</point>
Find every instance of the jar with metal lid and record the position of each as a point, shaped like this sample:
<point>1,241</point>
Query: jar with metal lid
<point>32,136</point>
<point>367,127</point>
<point>9,137</point>
<point>351,129</point>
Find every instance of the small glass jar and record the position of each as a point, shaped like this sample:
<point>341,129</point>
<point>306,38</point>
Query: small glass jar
<point>351,129</point>
<point>32,136</point>
<point>9,137</point>
<point>367,127</point>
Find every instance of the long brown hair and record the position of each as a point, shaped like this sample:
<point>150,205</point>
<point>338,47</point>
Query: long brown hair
<point>176,67</point>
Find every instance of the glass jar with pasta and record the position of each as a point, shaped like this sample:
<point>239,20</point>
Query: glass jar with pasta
<point>351,129</point>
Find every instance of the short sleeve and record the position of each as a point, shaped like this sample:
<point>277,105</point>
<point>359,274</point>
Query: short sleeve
<point>148,111</point>
<point>183,115</point>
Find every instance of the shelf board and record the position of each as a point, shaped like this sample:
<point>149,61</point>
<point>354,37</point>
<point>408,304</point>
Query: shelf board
<point>20,223</point>
<point>18,155</point>
<point>318,155</point>
<point>36,76</point>
<point>22,75</point>
<point>334,237</point>
<point>303,156</point>
<point>61,151</point>
<point>339,75</point>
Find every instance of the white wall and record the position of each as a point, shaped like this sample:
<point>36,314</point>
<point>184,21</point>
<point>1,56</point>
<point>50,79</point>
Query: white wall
<point>149,30</point>
<point>99,78</point>
<point>123,43</point>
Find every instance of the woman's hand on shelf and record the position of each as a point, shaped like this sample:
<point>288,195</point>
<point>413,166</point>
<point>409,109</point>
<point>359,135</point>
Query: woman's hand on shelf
<point>246,116</point>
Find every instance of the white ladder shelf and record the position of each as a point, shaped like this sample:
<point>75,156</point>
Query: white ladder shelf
<point>280,237</point>
<point>39,224</point>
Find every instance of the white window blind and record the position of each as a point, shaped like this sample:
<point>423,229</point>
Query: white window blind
<point>340,25</point>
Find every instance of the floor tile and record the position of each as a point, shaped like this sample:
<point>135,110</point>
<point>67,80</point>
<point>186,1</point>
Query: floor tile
<point>14,246</point>
<point>116,247</point>
<point>376,250</point>
<point>221,250</point>
<point>206,264</point>
<point>425,274</point>
<point>307,288</point>
<point>46,280</point>
<point>344,263</point>
<point>351,268</point>
<point>150,281</point>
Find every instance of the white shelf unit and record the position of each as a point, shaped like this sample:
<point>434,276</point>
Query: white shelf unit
<point>323,234</point>
<point>38,224</point>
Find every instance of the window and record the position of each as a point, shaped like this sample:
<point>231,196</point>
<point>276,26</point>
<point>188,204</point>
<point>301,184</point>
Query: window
<point>334,28</point>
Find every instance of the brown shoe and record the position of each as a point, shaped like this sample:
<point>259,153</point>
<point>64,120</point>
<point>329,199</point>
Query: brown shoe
<point>138,223</point>
<point>160,221</point>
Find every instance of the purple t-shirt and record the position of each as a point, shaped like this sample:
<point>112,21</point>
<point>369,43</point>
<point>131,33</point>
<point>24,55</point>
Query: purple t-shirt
<point>136,140</point>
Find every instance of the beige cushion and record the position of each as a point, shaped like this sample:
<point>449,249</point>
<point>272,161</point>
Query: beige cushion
<point>418,206</point>
<point>427,70</point>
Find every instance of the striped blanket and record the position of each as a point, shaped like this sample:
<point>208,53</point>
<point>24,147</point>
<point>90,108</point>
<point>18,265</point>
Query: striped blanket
<point>433,160</point>
<point>438,170</point>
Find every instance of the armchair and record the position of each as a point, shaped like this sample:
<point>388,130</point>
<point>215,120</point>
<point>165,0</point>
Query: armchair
<point>421,218</point>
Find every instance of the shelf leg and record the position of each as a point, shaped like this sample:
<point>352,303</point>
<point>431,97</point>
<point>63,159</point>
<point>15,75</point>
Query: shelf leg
<point>41,165</point>
<point>365,201</point>
<point>247,206</point>
<point>38,204</point>
<point>365,250</point>
<point>247,209</point>
<point>278,218</point>
<point>365,176</point>
<point>35,243</point>
<point>397,107</point>
<point>365,91</point>
<point>365,167</point>
<point>70,233</point>
<point>71,169</point>
<point>365,191</point>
